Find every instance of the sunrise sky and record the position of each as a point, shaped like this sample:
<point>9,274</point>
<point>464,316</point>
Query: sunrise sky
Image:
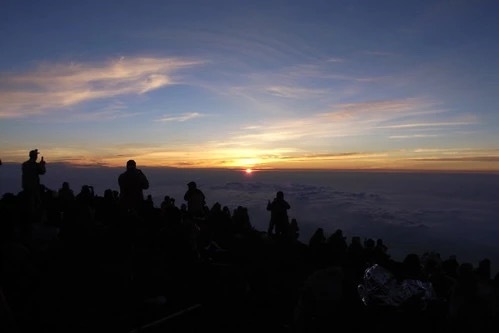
<point>252,84</point>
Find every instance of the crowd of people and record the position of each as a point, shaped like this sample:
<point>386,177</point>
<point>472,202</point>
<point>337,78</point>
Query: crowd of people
<point>75,262</point>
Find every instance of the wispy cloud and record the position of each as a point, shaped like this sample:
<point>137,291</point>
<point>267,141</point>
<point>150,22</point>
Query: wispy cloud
<point>461,150</point>
<point>333,59</point>
<point>56,86</point>
<point>324,72</point>
<point>414,136</point>
<point>379,120</point>
<point>299,81</point>
<point>294,92</point>
<point>333,156</point>
<point>437,124</point>
<point>381,109</point>
<point>114,110</point>
<point>460,159</point>
<point>399,115</point>
<point>181,117</point>
<point>344,120</point>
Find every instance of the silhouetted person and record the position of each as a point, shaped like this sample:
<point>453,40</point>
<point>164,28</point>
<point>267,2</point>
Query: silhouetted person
<point>318,239</point>
<point>195,200</point>
<point>66,197</point>
<point>107,208</point>
<point>169,211</point>
<point>86,195</point>
<point>132,182</point>
<point>337,247</point>
<point>279,220</point>
<point>293,232</point>
<point>31,171</point>
<point>241,220</point>
<point>167,203</point>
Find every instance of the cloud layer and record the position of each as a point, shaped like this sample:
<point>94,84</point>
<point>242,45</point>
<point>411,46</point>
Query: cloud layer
<point>56,86</point>
<point>448,213</point>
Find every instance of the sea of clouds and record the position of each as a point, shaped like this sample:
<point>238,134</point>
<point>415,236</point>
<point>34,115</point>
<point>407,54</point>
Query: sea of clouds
<point>453,214</point>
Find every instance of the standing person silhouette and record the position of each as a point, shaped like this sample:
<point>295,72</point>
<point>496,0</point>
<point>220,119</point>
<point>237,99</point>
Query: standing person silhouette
<point>279,220</point>
<point>195,200</point>
<point>31,171</point>
<point>132,182</point>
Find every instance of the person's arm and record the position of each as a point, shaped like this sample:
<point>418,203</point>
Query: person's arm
<point>144,180</point>
<point>120,183</point>
<point>41,167</point>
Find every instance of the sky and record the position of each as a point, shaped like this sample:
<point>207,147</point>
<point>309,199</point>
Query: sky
<point>406,85</point>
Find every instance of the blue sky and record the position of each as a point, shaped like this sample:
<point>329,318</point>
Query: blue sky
<point>261,84</point>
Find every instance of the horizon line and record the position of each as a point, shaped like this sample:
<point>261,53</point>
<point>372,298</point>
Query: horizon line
<point>262,169</point>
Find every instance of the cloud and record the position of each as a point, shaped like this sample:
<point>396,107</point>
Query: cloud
<point>316,81</point>
<point>438,124</point>
<point>413,136</point>
<point>180,118</point>
<point>399,116</point>
<point>381,109</point>
<point>55,86</point>
<point>452,151</point>
<point>460,159</point>
<point>294,92</point>
<point>333,156</point>
<point>333,59</point>
<point>322,71</point>
<point>112,111</point>
<point>343,120</point>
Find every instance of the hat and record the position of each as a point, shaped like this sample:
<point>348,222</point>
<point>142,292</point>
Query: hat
<point>33,153</point>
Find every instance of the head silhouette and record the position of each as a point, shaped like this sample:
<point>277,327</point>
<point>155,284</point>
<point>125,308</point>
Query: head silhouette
<point>33,153</point>
<point>131,164</point>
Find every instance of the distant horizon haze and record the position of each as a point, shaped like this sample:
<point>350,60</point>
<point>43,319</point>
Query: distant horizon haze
<point>257,168</point>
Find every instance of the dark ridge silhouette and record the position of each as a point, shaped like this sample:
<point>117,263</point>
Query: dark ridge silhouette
<point>88,263</point>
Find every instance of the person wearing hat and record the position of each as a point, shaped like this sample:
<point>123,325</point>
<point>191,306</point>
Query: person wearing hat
<point>195,200</point>
<point>31,171</point>
<point>132,182</point>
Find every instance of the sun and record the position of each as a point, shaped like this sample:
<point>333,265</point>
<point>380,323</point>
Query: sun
<point>248,171</point>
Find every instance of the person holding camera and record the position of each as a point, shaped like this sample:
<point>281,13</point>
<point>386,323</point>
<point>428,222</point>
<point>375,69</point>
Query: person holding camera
<point>279,221</point>
<point>31,171</point>
<point>196,200</point>
<point>132,182</point>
